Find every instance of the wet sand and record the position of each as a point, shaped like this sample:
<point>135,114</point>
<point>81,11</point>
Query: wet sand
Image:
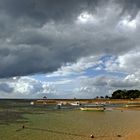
<point>135,135</point>
<point>46,122</point>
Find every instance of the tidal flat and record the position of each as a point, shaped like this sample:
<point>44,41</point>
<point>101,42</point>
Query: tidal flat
<point>21,121</point>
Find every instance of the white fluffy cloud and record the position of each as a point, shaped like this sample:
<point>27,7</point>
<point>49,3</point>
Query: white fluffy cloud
<point>24,87</point>
<point>128,62</point>
<point>79,87</point>
<point>76,68</point>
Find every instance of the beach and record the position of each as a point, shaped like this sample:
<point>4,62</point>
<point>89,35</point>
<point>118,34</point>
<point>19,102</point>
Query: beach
<point>43,122</point>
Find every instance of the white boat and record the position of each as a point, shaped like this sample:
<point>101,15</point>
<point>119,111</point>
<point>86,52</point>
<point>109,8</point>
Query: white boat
<point>132,105</point>
<point>99,108</point>
<point>60,104</point>
<point>92,109</point>
<point>75,103</point>
<point>32,103</point>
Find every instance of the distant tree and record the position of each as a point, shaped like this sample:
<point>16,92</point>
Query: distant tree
<point>97,97</point>
<point>106,96</point>
<point>45,97</point>
<point>126,94</point>
<point>117,94</point>
<point>101,97</point>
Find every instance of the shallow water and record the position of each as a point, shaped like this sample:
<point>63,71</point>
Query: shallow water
<point>71,124</point>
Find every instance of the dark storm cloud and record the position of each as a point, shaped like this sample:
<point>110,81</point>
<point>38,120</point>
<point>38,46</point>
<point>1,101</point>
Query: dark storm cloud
<point>44,10</point>
<point>130,6</point>
<point>39,36</point>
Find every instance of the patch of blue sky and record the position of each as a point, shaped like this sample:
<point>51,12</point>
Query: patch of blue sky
<point>106,58</point>
<point>39,77</point>
<point>44,78</point>
<point>100,68</point>
<point>93,72</point>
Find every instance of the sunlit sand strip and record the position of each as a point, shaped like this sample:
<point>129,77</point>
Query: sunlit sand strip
<point>133,136</point>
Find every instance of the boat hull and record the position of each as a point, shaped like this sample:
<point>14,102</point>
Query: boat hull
<point>92,109</point>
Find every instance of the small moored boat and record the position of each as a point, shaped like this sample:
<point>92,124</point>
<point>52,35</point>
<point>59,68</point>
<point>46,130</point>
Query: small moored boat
<point>75,103</point>
<point>93,108</point>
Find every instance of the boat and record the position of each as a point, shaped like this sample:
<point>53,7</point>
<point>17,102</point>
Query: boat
<point>32,103</point>
<point>75,103</point>
<point>59,105</point>
<point>132,105</point>
<point>99,108</point>
<point>92,109</point>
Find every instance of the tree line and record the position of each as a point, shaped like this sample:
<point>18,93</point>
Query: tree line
<point>126,94</point>
<point>122,94</point>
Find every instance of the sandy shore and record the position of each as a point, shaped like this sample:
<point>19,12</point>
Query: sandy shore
<point>133,136</point>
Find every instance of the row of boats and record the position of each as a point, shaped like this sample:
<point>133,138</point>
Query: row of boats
<point>85,107</point>
<point>100,107</point>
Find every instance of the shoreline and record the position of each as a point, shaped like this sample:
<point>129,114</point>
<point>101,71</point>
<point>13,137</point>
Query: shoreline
<point>89,101</point>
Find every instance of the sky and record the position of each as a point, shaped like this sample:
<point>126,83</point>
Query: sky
<point>68,48</point>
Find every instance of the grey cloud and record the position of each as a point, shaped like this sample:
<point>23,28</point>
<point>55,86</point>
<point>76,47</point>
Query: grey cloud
<point>44,10</point>
<point>123,84</point>
<point>56,10</point>
<point>32,38</point>
<point>26,61</point>
<point>114,82</point>
<point>4,87</point>
<point>104,85</point>
<point>41,36</point>
<point>130,6</point>
<point>101,81</point>
<point>98,81</point>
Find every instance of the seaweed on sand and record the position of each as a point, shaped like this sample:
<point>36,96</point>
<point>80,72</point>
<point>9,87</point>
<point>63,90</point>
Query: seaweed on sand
<point>10,116</point>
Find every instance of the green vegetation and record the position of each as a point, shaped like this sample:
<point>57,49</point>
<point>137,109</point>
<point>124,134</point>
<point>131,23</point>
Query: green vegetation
<point>13,111</point>
<point>126,94</point>
<point>122,94</point>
